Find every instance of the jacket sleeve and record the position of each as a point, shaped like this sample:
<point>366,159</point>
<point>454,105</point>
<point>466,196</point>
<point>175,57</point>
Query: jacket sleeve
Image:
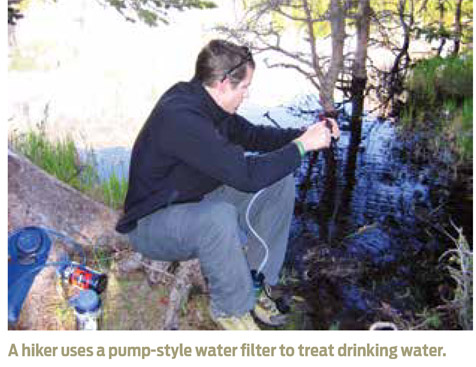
<point>258,138</point>
<point>192,138</point>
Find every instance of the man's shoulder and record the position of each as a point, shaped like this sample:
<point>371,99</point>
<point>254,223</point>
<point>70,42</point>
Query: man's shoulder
<point>187,91</point>
<point>182,96</point>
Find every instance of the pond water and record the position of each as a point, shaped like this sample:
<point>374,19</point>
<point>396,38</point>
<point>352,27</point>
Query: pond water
<point>368,228</point>
<point>368,232</point>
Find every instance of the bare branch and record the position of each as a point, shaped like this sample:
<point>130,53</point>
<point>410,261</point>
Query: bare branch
<point>309,75</point>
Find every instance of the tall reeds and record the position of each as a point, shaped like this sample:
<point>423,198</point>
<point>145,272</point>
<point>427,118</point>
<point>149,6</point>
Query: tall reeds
<point>60,158</point>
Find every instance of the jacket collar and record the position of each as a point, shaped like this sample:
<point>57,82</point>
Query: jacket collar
<point>218,113</point>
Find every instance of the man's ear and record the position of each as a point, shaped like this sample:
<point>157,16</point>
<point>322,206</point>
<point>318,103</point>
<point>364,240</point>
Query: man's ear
<point>221,85</point>
<point>218,85</point>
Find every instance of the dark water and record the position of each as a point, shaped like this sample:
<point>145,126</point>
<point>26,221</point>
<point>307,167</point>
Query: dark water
<point>368,230</point>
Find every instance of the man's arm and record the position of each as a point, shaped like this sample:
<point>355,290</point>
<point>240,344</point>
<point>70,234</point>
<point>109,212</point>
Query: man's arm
<point>191,137</point>
<point>258,138</point>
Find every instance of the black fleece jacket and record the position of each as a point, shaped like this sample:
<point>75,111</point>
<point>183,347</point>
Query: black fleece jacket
<point>189,146</point>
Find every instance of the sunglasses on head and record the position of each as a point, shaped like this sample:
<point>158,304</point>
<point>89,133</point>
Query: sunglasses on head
<point>248,58</point>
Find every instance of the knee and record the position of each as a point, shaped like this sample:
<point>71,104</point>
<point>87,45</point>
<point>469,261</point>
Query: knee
<point>220,232</point>
<point>224,211</point>
<point>222,216</point>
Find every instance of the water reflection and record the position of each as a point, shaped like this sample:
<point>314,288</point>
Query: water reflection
<point>365,239</point>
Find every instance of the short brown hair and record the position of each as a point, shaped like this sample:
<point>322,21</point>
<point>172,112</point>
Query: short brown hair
<point>221,59</point>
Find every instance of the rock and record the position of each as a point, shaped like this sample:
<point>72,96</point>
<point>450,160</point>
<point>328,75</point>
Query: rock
<point>36,198</point>
<point>131,263</point>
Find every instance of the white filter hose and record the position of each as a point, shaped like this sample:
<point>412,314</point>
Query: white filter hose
<point>263,243</point>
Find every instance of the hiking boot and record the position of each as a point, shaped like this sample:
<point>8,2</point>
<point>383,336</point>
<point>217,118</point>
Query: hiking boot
<point>266,311</point>
<point>244,322</point>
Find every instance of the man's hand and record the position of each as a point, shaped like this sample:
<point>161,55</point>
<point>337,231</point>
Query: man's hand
<point>318,136</point>
<point>332,125</point>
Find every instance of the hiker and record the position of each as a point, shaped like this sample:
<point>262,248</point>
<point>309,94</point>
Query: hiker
<point>196,166</point>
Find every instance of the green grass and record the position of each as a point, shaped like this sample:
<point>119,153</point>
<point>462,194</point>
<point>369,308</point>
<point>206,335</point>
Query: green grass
<point>58,158</point>
<point>114,190</point>
<point>465,135</point>
<point>440,105</point>
<point>61,159</point>
<point>438,78</point>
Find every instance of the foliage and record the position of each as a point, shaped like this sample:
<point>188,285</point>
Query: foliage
<point>434,19</point>
<point>465,138</point>
<point>14,13</point>
<point>153,11</point>
<point>437,20</point>
<point>440,104</point>
<point>148,11</point>
<point>438,78</point>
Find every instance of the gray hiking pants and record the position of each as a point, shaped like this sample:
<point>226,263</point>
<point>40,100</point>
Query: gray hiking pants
<point>213,230</point>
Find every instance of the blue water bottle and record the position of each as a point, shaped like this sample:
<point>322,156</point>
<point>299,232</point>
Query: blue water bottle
<point>28,250</point>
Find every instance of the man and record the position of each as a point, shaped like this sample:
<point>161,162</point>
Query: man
<point>191,185</point>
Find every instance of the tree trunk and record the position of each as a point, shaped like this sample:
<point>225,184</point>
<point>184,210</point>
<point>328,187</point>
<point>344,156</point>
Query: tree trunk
<point>359,71</point>
<point>457,28</point>
<point>441,10</point>
<point>337,20</point>
<point>398,64</point>
<point>396,75</point>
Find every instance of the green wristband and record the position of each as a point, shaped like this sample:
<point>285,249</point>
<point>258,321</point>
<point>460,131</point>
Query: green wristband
<point>300,145</point>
